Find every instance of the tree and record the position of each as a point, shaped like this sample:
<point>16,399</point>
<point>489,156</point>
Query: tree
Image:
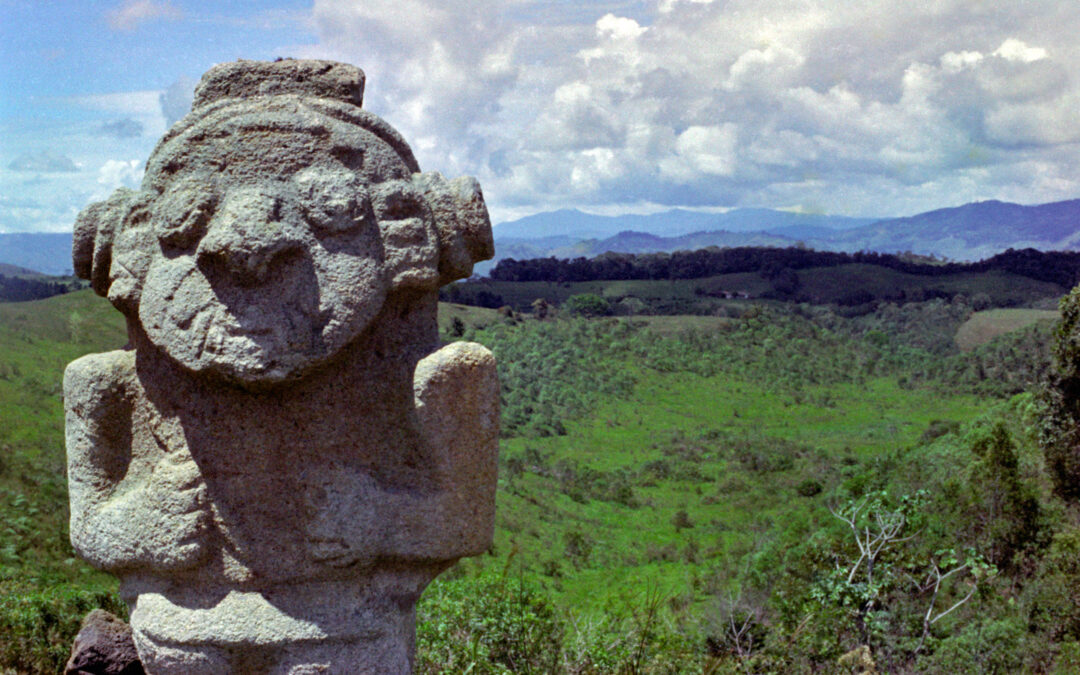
<point>1060,434</point>
<point>587,304</point>
<point>974,566</point>
<point>885,574</point>
<point>457,327</point>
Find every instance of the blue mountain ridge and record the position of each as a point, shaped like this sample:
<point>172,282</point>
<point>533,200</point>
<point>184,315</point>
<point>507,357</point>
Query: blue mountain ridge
<point>969,232</point>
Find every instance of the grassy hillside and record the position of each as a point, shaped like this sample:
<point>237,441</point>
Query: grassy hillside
<point>44,590</point>
<point>985,326</point>
<point>663,481</point>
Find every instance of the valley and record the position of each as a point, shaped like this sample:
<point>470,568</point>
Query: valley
<point>668,479</point>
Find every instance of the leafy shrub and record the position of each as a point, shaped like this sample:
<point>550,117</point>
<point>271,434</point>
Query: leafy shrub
<point>486,625</point>
<point>988,646</point>
<point>587,304</point>
<point>1052,599</point>
<point>38,626</point>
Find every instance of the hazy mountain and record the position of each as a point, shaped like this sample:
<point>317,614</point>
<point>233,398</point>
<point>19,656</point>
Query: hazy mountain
<point>15,271</point>
<point>642,242</point>
<point>970,232</point>
<point>49,253</point>
<point>677,222</point>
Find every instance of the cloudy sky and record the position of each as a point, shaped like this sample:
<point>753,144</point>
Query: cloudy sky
<point>860,107</point>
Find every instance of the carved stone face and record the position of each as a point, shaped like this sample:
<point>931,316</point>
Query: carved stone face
<point>268,249</point>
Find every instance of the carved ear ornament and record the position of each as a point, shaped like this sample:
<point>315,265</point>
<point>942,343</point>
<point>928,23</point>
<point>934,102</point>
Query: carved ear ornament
<point>461,220</point>
<point>92,241</point>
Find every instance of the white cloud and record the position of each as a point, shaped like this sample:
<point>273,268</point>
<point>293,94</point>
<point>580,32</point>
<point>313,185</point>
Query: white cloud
<point>873,108</point>
<point>129,15</point>
<point>142,107</point>
<point>954,62</point>
<point>176,100</point>
<point>707,150</point>
<point>116,173</point>
<point>614,27</point>
<point>1050,123</point>
<point>1015,50</point>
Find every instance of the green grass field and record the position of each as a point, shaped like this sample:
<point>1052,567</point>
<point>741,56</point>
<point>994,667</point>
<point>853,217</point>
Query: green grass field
<point>675,437</point>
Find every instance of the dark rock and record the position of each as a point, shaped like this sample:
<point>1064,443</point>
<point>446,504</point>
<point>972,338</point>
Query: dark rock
<point>104,646</point>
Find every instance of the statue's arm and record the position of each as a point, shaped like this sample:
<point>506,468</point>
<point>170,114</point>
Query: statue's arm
<point>457,404</point>
<point>456,397</point>
<point>124,514</point>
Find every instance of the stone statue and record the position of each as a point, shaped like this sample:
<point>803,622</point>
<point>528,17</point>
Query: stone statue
<point>283,457</point>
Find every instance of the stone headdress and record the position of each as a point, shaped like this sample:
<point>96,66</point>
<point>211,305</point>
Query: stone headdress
<point>319,100</point>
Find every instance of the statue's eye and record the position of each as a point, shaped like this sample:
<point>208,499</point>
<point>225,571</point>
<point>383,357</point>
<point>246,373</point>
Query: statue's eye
<point>333,201</point>
<point>398,200</point>
<point>181,218</point>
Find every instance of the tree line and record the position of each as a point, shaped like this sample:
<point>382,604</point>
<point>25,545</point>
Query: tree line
<point>19,289</point>
<point>1060,267</point>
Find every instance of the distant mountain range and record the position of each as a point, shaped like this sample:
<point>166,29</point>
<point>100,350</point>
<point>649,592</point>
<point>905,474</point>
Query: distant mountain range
<point>46,252</point>
<point>673,223</point>
<point>970,232</point>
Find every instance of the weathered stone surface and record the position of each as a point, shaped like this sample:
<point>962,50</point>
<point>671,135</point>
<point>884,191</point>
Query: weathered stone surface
<point>104,646</point>
<point>285,456</point>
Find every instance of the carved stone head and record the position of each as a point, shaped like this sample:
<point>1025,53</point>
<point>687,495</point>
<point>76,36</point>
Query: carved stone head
<point>273,222</point>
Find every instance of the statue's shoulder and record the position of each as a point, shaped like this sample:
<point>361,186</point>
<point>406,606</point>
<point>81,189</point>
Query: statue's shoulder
<point>98,379</point>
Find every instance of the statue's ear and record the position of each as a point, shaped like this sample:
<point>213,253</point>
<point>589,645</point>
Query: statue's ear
<point>95,229</point>
<point>461,219</point>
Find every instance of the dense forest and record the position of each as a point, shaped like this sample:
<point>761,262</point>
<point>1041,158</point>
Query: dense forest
<point>21,289</point>
<point>1059,267</point>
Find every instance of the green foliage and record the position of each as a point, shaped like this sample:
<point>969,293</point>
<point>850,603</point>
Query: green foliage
<point>982,647</point>
<point>487,625</point>
<point>653,467</point>
<point>586,304</point>
<point>1054,602</point>
<point>37,625</point>
<point>498,625</point>
<point>1061,397</point>
<point>553,371</point>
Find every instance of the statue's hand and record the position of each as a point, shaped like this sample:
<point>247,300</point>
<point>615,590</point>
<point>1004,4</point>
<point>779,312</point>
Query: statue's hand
<point>353,520</point>
<point>127,512</point>
<point>343,525</point>
<point>457,405</point>
<point>173,516</point>
<point>160,524</point>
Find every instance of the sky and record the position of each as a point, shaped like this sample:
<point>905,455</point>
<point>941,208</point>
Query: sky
<point>871,108</point>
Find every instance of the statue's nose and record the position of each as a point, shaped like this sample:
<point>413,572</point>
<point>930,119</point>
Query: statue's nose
<point>247,235</point>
